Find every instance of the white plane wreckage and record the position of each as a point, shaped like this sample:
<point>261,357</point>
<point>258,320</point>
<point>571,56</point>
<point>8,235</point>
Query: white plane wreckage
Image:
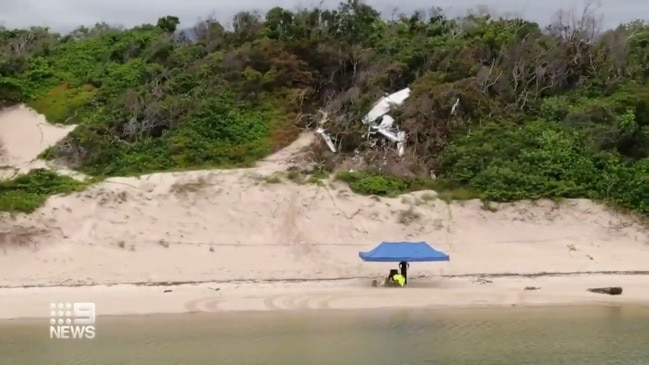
<point>379,121</point>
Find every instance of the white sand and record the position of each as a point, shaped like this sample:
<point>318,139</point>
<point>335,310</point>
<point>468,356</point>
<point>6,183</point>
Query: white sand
<point>235,226</point>
<point>24,134</point>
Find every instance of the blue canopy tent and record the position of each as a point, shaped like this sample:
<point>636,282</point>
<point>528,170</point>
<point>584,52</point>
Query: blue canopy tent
<point>403,252</point>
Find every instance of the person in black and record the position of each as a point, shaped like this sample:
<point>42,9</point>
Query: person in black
<point>390,279</point>
<point>403,266</point>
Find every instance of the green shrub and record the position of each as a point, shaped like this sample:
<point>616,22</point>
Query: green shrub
<point>28,192</point>
<point>377,183</point>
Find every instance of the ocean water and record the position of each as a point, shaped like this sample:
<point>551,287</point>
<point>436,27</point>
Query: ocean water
<point>603,335</point>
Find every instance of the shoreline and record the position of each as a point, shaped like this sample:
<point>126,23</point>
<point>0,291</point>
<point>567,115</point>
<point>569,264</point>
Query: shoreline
<point>330,279</point>
<point>355,294</point>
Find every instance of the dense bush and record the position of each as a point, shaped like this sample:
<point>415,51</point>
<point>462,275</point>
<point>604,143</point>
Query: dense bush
<point>556,112</point>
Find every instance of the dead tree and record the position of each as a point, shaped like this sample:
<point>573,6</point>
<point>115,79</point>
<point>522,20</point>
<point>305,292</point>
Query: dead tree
<point>20,45</point>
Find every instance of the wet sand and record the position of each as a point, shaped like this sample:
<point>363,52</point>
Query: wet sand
<point>431,293</point>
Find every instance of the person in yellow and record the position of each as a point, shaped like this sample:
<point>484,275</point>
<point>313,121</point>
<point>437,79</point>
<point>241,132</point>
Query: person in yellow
<point>399,279</point>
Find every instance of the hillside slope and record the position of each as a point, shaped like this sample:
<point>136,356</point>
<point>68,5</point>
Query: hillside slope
<point>500,108</point>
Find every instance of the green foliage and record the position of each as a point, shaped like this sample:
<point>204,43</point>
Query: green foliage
<point>11,92</point>
<point>544,159</point>
<point>377,183</point>
<point>59,103</point>
<point>543,113</point>
<point>369,183</point>
<point>218,133</point>
<point>27,192</point>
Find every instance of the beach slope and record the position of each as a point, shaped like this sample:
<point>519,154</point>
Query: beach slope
<point>252,232</point>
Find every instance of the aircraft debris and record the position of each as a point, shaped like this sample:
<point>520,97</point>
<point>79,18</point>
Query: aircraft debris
<point>325,136</point>
<point>381,122</point>
<point>378,121</point>
<point>454,108</point>
<point>383,105</point>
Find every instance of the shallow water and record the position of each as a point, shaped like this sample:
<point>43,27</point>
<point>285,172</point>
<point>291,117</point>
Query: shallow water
<point>607,335</point>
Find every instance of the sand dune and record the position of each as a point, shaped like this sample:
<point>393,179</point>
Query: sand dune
<point>239,225</point>
<point>24,134</point>
<point>226,225</point>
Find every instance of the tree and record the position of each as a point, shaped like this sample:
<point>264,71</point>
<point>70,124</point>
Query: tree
<point>168,23</point>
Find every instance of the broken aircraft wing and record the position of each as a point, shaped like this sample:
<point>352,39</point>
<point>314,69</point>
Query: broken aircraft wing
<point>381,122</point>
<point>383,105</point>
<point>325,136</point>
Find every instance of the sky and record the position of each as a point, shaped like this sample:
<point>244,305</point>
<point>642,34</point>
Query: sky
<point>66,15</point>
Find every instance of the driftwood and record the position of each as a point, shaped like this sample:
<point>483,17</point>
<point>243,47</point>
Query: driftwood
<point>613,290</point>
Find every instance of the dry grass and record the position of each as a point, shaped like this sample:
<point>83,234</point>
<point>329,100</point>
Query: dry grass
<point>296,176</point>
<point>293,174</point>
<point>418,200</point>
<point>104,196</point>
<point>489,206</point>
<point>406,217</point>
<point>428,197</point>
<point>19,236</point>
<point>122,196</point>
<point>189,187</point>
<point>275,178</point>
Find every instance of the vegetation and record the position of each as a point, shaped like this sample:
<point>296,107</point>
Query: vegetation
<point>27,192</point>
<point>561,111</point>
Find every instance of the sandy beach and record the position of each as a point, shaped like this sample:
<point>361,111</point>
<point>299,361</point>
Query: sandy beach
<point>254,238</point>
